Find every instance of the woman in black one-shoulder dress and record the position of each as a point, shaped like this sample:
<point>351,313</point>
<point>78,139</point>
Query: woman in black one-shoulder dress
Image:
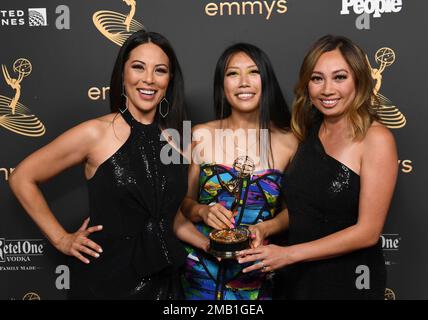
<point>339,185</point>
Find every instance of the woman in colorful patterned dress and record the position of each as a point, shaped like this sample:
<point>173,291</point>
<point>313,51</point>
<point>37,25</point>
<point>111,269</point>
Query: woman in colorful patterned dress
<point>253,118</point>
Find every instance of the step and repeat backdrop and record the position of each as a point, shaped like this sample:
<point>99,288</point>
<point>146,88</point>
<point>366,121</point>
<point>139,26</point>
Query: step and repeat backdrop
<point>57,56</point>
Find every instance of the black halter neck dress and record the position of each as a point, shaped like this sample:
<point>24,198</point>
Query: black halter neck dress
<point>135,197</point>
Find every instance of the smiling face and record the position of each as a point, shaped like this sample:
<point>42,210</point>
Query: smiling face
<point>332,84</point>
<point>146,77</point>
<point>242,83</point>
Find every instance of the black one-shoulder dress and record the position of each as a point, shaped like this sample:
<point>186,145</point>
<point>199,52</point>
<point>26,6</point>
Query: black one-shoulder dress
<point>322,196</point>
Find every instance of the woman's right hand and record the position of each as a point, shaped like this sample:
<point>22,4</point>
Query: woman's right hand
<point>217,216</point>
<point>74,244</point>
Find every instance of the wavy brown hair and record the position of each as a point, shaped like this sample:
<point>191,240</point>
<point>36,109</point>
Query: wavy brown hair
<point>361,113</point>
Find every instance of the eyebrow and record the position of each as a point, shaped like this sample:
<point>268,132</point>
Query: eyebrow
<point>335,71</point>
<point>158,65</point>
<point>232,67</point>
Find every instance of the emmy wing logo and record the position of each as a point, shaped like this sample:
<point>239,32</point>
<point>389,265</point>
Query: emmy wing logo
<point>14,116</point>
<point>116,26</point>
<point>389,114</point>
<point>31,296</point>
<point>389,294</point>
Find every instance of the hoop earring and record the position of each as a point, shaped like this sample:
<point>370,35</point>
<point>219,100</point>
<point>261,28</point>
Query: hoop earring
<point>126,100</point>
<point>162,113</point>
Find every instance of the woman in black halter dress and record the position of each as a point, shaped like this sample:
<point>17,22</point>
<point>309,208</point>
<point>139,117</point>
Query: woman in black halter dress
<point>135,197</point>
<point>339,185</point>
<point>130,250</point>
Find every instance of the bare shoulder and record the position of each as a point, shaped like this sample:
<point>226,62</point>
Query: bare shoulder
<point>95,129</point>
<point>210,126</point>
<point>379,142</point>
<point>378,136</point>
<point>108,118</point>
<point>106,121</point>
<point>204,131</point>
<point>284,146</point>
<point>285,139</point>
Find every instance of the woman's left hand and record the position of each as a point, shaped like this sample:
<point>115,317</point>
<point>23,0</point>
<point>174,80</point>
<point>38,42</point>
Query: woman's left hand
<point>268,258</point>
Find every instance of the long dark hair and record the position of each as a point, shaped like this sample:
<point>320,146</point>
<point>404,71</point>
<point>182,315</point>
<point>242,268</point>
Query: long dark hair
<point>175,90</point>
<point>273,107</point>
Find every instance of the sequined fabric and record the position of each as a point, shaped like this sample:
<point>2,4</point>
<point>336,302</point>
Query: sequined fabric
<point>322,196</point>
<point>162,286</point>
<point>135,197</point>
<point>342,179</point>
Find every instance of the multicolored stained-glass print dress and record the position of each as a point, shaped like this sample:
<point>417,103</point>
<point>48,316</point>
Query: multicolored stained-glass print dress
<point>205,278</point>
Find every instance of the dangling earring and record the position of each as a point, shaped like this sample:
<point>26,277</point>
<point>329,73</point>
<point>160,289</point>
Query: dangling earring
<point>126,100</point>
<point>161,104</point>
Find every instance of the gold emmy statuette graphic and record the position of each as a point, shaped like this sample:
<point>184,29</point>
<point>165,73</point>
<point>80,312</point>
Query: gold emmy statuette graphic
<point>31,296</point>
<point>389,294</point>
<point>389,114</point>
<point>227,243</point>
<point>244,166</point>
<point>116,26</point>
<point>14,116</point>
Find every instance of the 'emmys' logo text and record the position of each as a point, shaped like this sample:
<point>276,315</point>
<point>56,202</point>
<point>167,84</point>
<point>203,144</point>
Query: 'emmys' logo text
<point>6,172</point>
<point>406,166</point>
<point>390,242</point>
<point>235,8</point>
<point>20,250</point>
<point>366,8</point>
<point>95,93</point>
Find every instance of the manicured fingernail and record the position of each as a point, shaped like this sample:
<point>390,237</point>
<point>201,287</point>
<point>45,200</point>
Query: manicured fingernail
<point>87,261</point>
<point>100,227</point>
<point>233,220</point>
<point>97,255</point>
<point>100,250</point>
<point>253,235</point>
<point>232,226</point>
